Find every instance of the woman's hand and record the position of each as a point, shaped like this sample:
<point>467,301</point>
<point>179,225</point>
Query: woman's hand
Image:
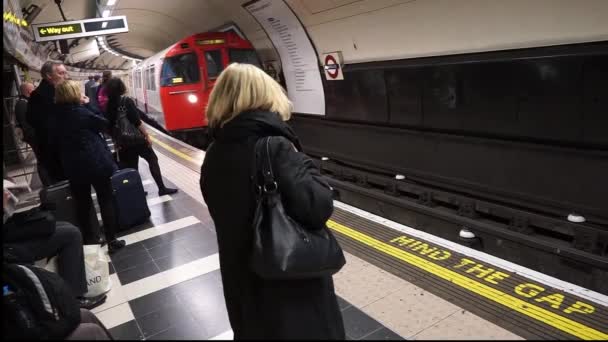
<point>84,99</point>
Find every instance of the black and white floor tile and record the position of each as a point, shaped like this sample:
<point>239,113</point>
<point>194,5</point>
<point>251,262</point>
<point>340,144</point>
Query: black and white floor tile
<point>167,284</point>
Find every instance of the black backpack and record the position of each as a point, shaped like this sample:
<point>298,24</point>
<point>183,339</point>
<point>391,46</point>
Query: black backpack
<point>38,304</point>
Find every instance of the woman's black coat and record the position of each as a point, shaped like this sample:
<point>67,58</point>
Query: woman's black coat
<point>84,153</point>
<point>258,308</point>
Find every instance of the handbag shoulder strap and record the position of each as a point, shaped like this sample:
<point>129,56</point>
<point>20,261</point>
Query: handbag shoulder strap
<point>268,174</point>
<point>263,165</point>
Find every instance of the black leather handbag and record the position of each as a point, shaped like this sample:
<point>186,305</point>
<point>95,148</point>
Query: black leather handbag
<point>125,134</point>
<point>282,248</point>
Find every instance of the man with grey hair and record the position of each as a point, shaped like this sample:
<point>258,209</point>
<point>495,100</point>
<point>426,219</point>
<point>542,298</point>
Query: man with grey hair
<point>40,111</point>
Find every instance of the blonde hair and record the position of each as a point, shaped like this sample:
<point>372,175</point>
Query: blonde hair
<point>243,87</point>
<point>68,92</point>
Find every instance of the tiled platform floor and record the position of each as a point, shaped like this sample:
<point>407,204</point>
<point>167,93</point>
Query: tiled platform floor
<point>167,283</point>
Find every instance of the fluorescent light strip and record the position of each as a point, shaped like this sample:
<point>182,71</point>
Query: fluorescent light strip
<point>107,48</point>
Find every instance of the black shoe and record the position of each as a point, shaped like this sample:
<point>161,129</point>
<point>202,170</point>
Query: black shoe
<point>166,191</point>
<point>102,241</point>
<point>115,245</point>
<point>91,303</point>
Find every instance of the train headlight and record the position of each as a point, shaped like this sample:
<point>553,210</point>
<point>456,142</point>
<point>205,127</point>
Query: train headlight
<point>192,98</point>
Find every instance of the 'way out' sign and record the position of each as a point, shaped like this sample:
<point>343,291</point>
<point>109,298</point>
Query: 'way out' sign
<point>80,28</point>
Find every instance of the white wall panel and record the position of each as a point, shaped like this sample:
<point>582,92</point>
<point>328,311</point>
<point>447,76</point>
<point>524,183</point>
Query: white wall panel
<point>391,29</point>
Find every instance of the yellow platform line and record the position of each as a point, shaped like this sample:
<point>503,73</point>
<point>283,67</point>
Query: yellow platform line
<point>562,323</point>
<point>538,313</point>
<point>174,151</point>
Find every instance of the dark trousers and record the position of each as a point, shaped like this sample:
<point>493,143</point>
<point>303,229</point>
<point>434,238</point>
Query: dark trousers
<point>43,172</point>
<point>90,328</point>
<point>66,243</point>
<point>129,158</point>
<point>84,202</point>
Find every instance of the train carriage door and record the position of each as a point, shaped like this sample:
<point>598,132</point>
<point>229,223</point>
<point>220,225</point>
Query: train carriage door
<point>181,91</point>
<point>215,61</point>
<point>145,88</point>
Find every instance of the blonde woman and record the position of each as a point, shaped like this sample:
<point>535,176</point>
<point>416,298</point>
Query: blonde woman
<point>86,160</point>
<point>246,105</point>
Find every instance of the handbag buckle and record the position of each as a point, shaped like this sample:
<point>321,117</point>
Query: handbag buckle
<point>271,187</point>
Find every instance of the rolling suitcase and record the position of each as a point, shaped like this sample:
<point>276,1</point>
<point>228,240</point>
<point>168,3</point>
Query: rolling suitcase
<point>58,199</point>
<point>129,199</point>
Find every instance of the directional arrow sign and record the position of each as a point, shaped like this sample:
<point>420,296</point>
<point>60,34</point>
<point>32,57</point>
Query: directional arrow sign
<point>80,28</point>
<point>52,30</point>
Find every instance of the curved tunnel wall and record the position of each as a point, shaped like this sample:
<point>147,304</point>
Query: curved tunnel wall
<point>524,125</point>
<point>423,96</point>
<point>377,30</point>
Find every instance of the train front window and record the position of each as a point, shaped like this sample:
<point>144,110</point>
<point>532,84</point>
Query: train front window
<point>214,63</point>
<point>244,56</point>
<point>181,69</point>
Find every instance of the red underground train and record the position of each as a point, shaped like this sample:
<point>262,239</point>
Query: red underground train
<point>174,85</point>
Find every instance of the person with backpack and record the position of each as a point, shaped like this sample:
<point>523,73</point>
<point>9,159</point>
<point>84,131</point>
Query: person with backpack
<point>37,305</point>
<point>125,119</point>
<point>34,235</point>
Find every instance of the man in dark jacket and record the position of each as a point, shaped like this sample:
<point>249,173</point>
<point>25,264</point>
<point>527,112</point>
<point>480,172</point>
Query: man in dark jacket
<point>91,93</point>
<point>88,85</point>
<point>40,111</point>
